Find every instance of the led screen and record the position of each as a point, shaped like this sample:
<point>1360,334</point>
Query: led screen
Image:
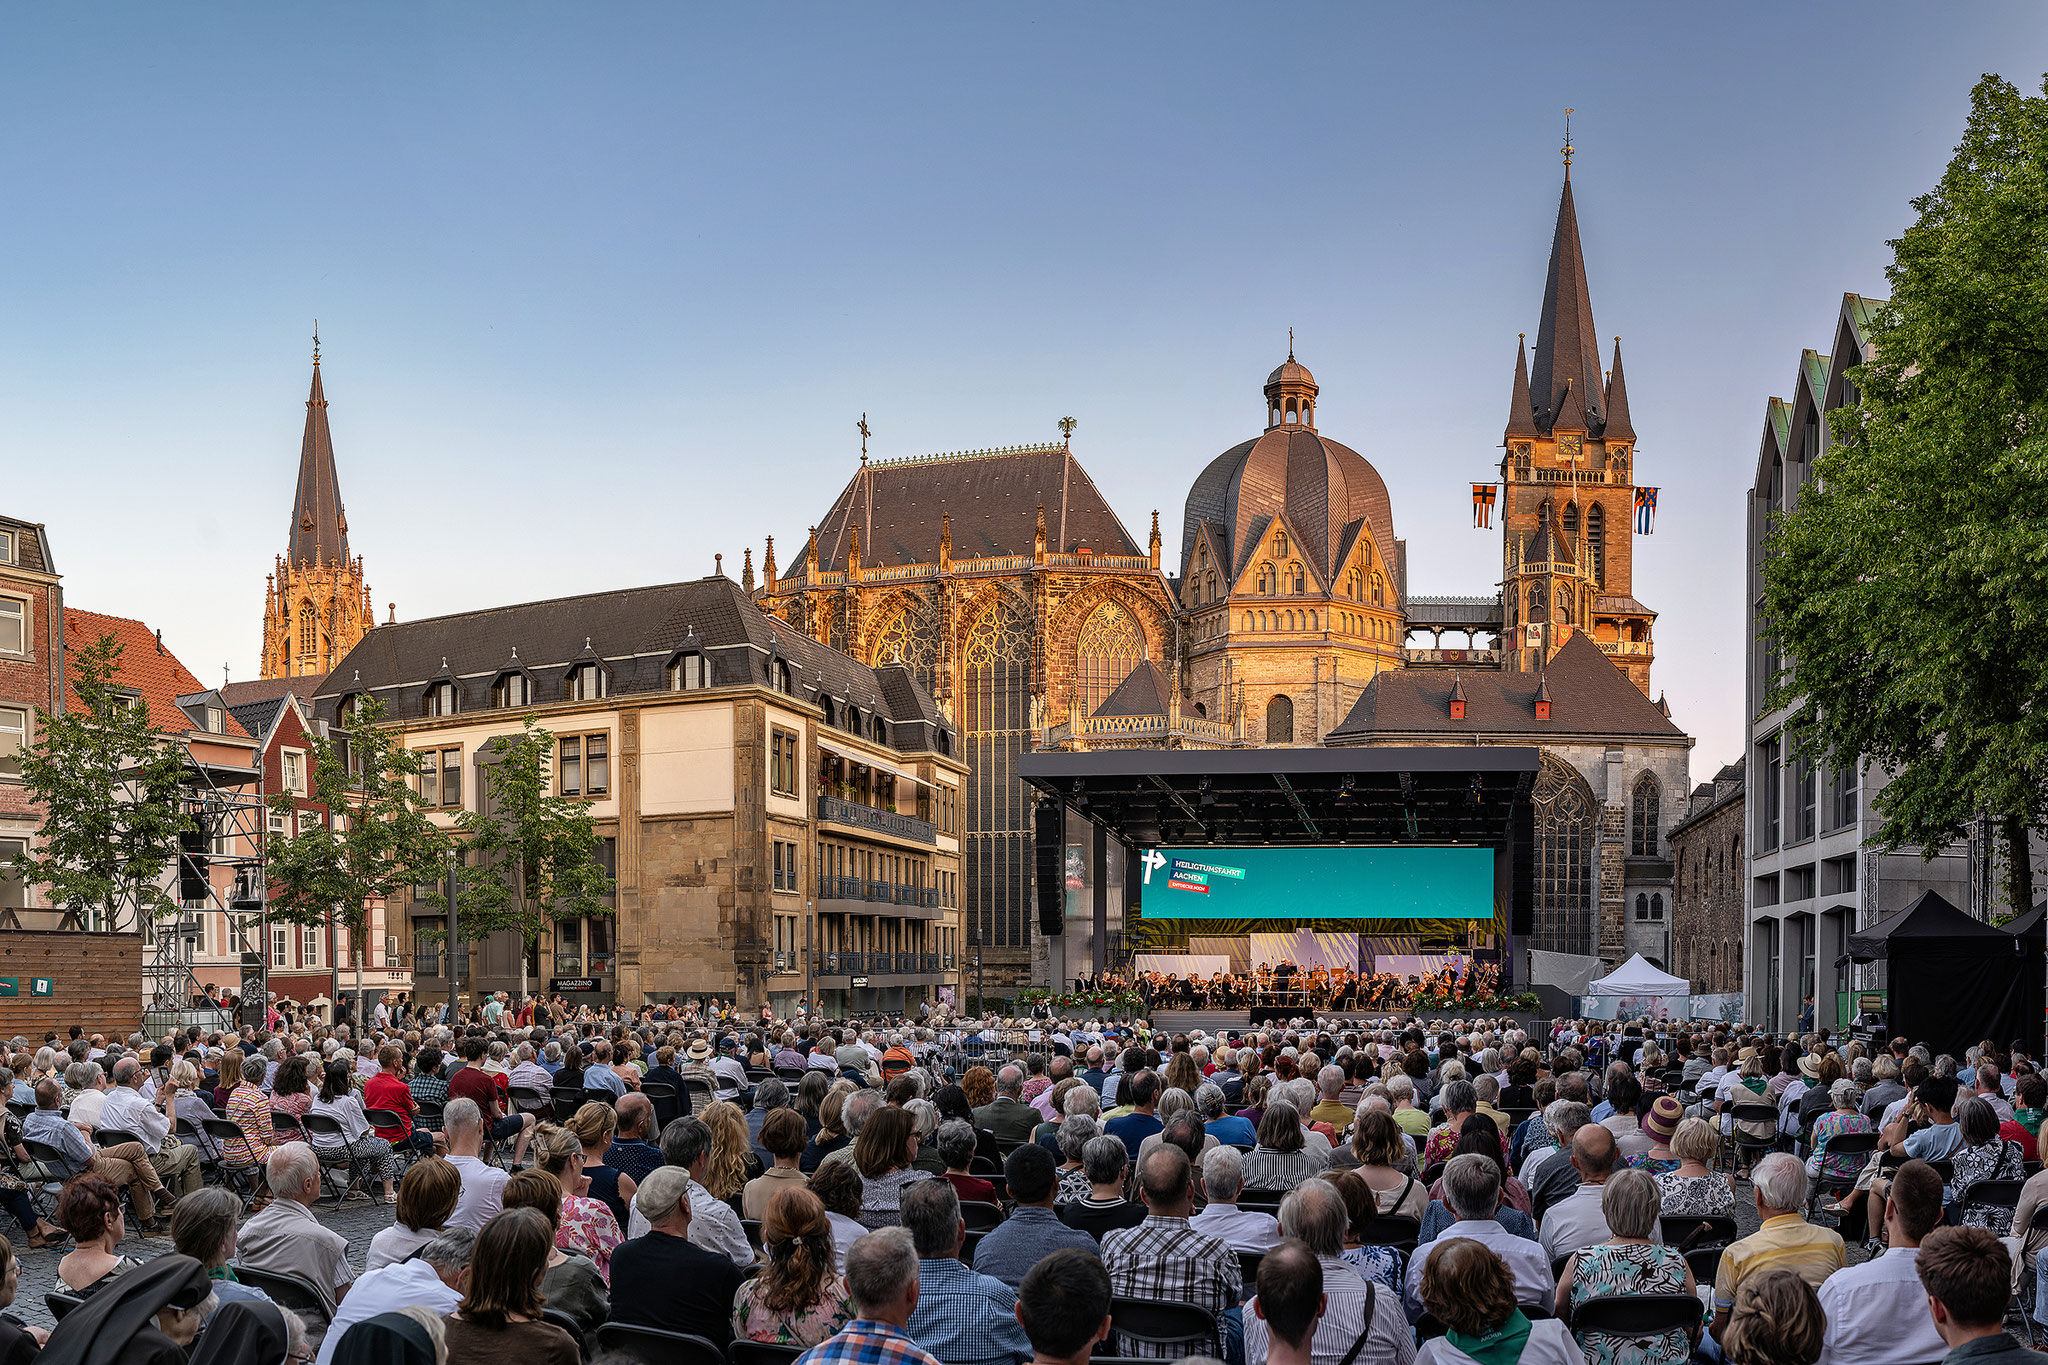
<point>1405,882</point>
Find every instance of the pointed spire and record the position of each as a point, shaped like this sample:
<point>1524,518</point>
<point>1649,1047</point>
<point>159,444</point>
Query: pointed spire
<point>1566,368</point>
<point>319,531</point>
<point>747,569</point>
<point>1521,412</point>
<point>768,566</point>
<point>1618,428</point>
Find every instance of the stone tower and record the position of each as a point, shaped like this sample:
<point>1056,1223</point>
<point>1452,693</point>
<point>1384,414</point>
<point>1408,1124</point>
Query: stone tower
<point>1568,496</point>
<point>317,605</point>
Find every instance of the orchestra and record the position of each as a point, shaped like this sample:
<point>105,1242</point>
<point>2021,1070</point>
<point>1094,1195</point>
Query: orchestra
<point>1282,985</point>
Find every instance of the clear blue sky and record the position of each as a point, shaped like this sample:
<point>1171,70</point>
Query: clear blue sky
<point>604,289</point>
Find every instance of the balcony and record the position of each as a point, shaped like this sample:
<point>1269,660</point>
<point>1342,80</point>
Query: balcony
<point>853,814</point>
<point>858,896</point>
<point>886,968</point>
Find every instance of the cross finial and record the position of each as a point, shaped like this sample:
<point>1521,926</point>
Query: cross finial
<point>1567,148</point>
<point>862,425</point>
<point>316,341</point>
<point>1290,343</point>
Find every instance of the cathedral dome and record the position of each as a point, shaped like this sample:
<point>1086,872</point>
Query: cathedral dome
<point>1328,493</point>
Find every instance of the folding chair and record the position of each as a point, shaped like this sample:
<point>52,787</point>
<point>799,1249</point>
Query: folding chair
<point>979,1216</point>
<point>744,1352</point>
<point>1157,1323</point>
<point>60,1303</point>
<point>242,1180</point>
<point>1637,1315</point>
<point>286,1291</point>
<point>353,1165</point>
<point>657,1347</point>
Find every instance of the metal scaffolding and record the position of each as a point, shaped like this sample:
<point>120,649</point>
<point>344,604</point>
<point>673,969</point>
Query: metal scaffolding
<point>225,804</point>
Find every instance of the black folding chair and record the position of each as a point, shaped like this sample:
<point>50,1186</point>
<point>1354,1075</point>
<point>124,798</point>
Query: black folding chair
<point>667,1106</point>
<point>566,1100</point>
<point>60,1303</point>
<point>242,1179</point>
<point>981,1217</point>
<point>1991,1194</point>
<point>528,1099</point>
<point>1156,1323</point>
<point>1637,1315</point>
<point>286,1291</point>
<point>569,1325</point>
<point>1248,1266</point>
<point>1263,1201</point>
<point>655,1346</point>
<point>1391,1230</point>
<point>1705,1263</point>
<point>697,1095</point>
<point>1859,1145</point>
<point>1678,1228</point>
<point>353,1167</point>
<point>744,1352</point>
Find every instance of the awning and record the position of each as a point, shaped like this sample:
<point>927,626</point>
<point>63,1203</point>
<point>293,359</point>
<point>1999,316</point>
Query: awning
<point>855,756</point>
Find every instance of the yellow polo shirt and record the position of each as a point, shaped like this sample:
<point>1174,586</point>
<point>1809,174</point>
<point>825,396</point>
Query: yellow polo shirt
<point>1786,1242</point>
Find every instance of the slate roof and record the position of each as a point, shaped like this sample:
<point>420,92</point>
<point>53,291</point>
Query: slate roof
<point>634,633</point>
<point>1565,388</point>
<point>1327,492</point>
<point>899,508</point>
<point>145,665</point>
<point>319,528</point>
<point>1703,802</point>
<point>1144,693</point>
<point>31,545</point>
<point>1588,696</point>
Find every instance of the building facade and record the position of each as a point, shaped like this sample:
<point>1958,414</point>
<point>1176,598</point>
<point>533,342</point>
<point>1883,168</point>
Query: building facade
<point>1707,922</point>
<point>1005,584</point>
<point>31,681</point>
<point>779,821</point>
<point>316,605</point>
<point>1812,877</point>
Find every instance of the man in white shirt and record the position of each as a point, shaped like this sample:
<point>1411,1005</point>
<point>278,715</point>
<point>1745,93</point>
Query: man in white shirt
<point>1314,1213</point>
<point>1867,1306</point>
<point>1992,1092</point>
<point>1575,1221</point>
<point>686,1143</point>
<point>730,1071</point>
<point>483,1185</point>
<point>125,1110</point>
<point>1472,1193</point>
<point>434,1279</point>
<point>1242,1229</point>
<point>87,1083</point>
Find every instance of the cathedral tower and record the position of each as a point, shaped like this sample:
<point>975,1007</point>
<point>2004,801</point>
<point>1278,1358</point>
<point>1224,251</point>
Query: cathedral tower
<point>317,605</point>
<point>1568,494</point>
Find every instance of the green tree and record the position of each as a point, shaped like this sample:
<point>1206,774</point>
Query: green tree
<point>1909,587</point>
<point>377,837</point>
<point>110,784</point>
<point>531,855</point>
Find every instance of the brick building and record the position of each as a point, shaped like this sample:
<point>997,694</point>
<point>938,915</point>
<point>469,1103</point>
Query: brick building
<point>31,680</point>
<point>1707,922</point>
<point>779,820</point>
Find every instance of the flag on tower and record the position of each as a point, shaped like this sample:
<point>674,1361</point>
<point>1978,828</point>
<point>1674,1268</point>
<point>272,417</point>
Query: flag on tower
<point>1646,511</point>
<point>1482,504</point>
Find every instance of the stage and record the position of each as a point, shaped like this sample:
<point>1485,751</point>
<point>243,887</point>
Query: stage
<point>1221,1023</point>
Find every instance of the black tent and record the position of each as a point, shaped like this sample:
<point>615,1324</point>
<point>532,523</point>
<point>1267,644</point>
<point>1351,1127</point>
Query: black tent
<point>2031,929</point>
<point>1951,981</point>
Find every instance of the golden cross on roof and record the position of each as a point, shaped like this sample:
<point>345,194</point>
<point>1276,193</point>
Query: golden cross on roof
<point>316,341</point>
<point>864,434</point>
<point>1567,149</point>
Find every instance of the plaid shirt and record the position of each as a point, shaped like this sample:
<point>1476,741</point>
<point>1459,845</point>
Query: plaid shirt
<point>867,1342</point>
<point>434,1090</point>
<point>1164,1258</point>
<point>965,1318</point>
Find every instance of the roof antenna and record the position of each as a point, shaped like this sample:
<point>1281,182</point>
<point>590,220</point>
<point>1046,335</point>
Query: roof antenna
<point>1567,148</point>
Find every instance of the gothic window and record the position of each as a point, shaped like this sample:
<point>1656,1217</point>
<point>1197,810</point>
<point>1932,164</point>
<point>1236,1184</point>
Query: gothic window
<point>1280,721</point>
<point>309,627</point>
<point>1644,816</point>
<point>1212,587</point>
<point>1110,646</point>
<point>1351,585</point>
<point>1299,580</point>
<point>1571,525</point>
<point>1280,543</point>
<point>1266,580</point>
<point>1564,810</point>
<point>912,641</point>
<point>1564,608</point>
<point>997,729</point>
<point>1642,906</point>
<point>1379,591</point>
<point>1657,905</point>
<point>1539,605</point>
<point>1596,536</point>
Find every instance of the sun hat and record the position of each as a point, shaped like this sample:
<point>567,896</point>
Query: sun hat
<point>699,1050</point>
<point>1663,1119</point>
<point>1809,1067</point>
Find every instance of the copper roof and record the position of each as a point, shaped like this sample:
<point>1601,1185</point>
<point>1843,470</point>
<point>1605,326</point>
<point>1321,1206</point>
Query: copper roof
<point>1328,493</point>
<point>319,529</point>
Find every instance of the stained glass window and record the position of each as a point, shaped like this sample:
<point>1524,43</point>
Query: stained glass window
<point>1564,919</point>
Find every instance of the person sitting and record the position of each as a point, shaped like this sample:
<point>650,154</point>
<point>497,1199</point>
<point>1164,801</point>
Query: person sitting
<point>126,1110</point>
<point>572,1282</point>
<point>1163,1257</point>
<point>287,1237</point>
<point>483,1184</point>
<point>882,1279</point>
<point>356,1144</point>
<point>204,1229</point>
<point>1983,1154</point>
<point>662,1278</point>
<point>1033,1230</point>
<point>584,1226</point>
<point>471,1082</point>
<point>1477,1138</point>
<point>1695,1188</point>
<point>957,1146</point>
<point>1315,1215</point>
<point>1007,1116</point>
<point>1777,1321</point>
<point>1063,1305</point>
<point>426,1201</point>
<point>1289,1303</point>
<point>733,1162</point>
<point>962,1317</point>
<point>1624,1092</point>
<point>1243,1229</point>
<point>249,1108</point>
<point>1460,1101</point>
<point>1466,1285</point>
<point>388,1091</point>
<point>1380,1148</point>
<point>1784,1241</point>
<point>1576,1220</point>
<point>1141,1120</point>
<point>1472,1198</point>
<point>1373,1260</point>
<point>1548,1173</point>
<point>1965,1274</point>
<point>1281,1160</point>
<point>1627,1262</point>
<point>432,1281</point>
<point>837,1186</point>
<point>714,1225</point>
<point>631,1153</point>
<point>1105,1160</point>
<point>89,1208</point>
<point>150,1316</point>
<point>125,1163</point>
<point>1861,1303</point>
<point>884,1154</point>
<point>499,1319</point>
<point>782,1137</point>
<point>798,1299</point>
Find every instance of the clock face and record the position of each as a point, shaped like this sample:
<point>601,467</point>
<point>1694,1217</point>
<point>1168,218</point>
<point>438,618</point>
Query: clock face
<point>1568,447</point>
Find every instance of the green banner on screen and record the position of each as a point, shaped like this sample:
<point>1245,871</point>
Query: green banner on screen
<point>1405,882</point>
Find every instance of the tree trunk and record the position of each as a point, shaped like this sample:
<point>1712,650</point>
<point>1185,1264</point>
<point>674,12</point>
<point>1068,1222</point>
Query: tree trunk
<point>2019,870</point>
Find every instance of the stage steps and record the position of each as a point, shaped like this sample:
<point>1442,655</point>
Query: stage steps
<point>1214,1021</point>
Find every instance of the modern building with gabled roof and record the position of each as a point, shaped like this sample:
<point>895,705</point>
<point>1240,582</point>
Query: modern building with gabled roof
<point>781,822</point>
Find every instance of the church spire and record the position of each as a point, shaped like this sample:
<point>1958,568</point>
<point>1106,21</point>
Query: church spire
<point>1618,428</point>
<point>1521,412</point>
<point>319,531</point>
<point>1565,379</point>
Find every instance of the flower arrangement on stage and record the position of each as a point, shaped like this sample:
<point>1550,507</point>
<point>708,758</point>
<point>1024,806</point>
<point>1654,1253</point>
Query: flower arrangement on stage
<point>1116,1003</point>
<point>1451,1005</point>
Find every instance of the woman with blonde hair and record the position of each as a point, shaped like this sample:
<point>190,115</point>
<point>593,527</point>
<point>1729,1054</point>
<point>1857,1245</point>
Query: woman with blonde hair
<point>593,1126</point>
<point>798,1299</point>
<point>733,1162</point>
<point>584,1225</point>
<point>1182,1074</point>
<point>1777,1320</point>
<point>1468,1288</point>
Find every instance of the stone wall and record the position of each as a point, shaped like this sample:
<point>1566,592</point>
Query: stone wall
<point>1707,922</point>
<point>98,982</point>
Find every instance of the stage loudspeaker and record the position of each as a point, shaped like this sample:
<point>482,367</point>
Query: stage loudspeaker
<point>1049,829</point>
<point>193,884</point>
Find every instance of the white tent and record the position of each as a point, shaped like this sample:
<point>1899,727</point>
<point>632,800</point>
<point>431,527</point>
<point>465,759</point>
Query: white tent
<point>1637,977</point>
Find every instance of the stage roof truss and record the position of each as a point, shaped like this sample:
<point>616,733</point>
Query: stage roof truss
<point>1178,800</point>
<point>1307,822</point>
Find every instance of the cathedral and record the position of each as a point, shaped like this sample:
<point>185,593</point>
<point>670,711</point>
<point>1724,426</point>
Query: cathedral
<point>316,605</point>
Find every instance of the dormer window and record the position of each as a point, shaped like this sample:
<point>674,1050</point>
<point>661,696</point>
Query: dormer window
<point>586,682</point>
<point>687,673</point>
<point>216,720</point>
<point>779,677</point>
<point>6,547</point>
<point>440,700</point>
<point>881,730</point>
<point>512,689</point>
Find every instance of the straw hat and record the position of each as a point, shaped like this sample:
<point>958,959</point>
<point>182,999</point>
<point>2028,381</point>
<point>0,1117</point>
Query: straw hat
<point>1663,1119</point>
